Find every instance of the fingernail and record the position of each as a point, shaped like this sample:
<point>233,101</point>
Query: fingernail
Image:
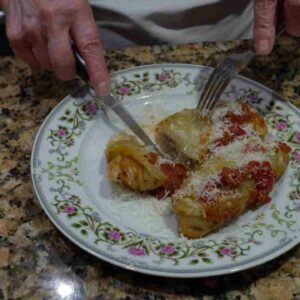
<point>103,89</point>
<point>263,47</point>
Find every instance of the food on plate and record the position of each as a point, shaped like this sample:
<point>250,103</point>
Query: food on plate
<point>188,136</point>
<point>227,184</point>
<point>140,169</point>
<point>184,136</point>
<point>222,165</point>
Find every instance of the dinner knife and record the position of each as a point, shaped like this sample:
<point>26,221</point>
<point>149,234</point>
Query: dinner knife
<point>115,105</point>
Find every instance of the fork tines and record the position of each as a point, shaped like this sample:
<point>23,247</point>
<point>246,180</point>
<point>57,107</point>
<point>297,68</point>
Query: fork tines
<point>225,71</point>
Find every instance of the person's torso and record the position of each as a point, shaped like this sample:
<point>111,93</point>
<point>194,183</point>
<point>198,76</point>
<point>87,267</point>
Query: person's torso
<point>125,23</point>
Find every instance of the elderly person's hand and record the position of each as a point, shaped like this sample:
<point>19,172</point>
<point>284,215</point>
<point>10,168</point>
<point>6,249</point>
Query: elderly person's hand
<point>265,18</point>
<point>41,31</point>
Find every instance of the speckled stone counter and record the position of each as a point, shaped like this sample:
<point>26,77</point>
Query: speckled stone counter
<point>36,261</point>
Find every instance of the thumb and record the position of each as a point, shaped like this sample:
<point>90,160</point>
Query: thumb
<point>264,25</point>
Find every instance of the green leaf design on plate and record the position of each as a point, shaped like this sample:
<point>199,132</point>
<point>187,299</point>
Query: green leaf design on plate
<point>76,225</point>
<point>194,262</point>
<point>83,232</point>
<point>207,260</point>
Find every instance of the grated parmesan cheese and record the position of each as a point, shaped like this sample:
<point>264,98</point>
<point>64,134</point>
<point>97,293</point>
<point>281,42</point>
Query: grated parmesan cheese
<point>144,214</point>
<point>235,151</point>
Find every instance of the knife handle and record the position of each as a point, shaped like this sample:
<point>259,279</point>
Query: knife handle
<point>80,65</point>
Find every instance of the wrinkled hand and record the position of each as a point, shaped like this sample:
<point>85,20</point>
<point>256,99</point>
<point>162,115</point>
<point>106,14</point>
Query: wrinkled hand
<point>265,18</point>
<point>40,32</point>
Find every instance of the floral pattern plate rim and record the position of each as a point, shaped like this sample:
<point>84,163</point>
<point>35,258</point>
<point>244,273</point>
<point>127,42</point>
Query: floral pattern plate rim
<point>57,168</point>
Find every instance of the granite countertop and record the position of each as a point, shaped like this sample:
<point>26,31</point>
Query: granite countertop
<point>35,259</point>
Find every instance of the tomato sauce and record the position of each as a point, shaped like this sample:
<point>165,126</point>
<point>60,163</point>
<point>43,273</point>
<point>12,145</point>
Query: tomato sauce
<point>152,157</point>
<point>252,147</point>
<point>240,119</point>
<point>218,209</point>
<point>262,174</point>
<point>232,178</point>
<point>176,174</point>
<point>229,136</point>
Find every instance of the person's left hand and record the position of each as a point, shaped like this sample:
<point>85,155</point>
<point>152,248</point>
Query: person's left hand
<point>265,19</point>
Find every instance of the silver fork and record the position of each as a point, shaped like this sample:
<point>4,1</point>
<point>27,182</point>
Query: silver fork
<point>225,71</point>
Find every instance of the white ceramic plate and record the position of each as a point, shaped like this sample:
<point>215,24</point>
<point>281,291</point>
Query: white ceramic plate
<point>138,233</point>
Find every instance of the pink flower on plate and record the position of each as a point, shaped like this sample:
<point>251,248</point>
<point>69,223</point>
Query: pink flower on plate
<point>136,251</point>
<point>114,235</point>
<point>60,132</point>
<point>91,108</point>
<point>164,76</point>
<point>168,249</point>
<point>281,125</point>
<point>123,90</point>
<point>297,156</point>
<point>69,209</point>
<point>253,97</point>
<point>226,251</point>
<point>297,137</point>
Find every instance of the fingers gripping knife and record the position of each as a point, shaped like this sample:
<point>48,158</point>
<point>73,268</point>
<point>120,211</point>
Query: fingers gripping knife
<point>111,102</point>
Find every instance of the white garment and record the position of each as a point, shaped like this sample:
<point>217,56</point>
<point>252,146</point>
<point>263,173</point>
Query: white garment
<point>125,23</point>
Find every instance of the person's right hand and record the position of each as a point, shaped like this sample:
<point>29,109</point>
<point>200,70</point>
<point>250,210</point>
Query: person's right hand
<point>41,32</point>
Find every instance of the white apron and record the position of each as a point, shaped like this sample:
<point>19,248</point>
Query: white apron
<point>125,23</point>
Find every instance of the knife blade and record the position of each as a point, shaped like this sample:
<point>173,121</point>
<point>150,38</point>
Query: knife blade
<point>111,102</point>
<point>115,105</point>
